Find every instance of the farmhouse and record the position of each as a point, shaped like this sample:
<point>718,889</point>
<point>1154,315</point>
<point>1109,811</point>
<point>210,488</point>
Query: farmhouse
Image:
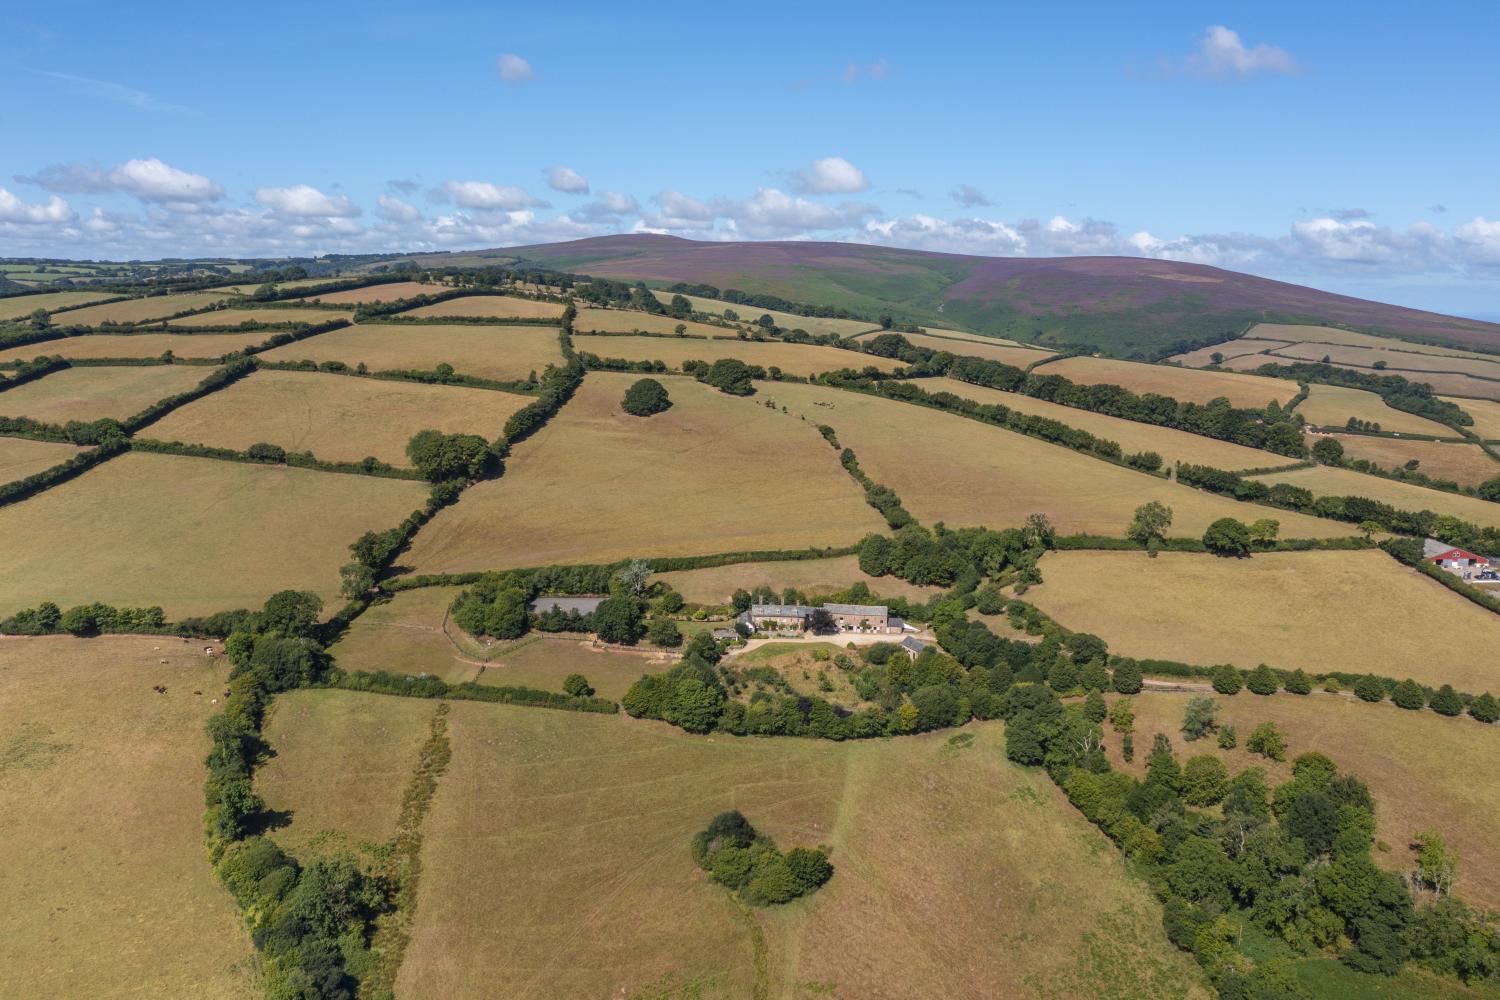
<point>1460,562</point>
<point>863,618</point>
<point>913,647</point>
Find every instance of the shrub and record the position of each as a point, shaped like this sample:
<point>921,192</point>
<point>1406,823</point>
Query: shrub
<point>1127,676</point>
<point>442,457</point>
<point>1228,738</point>
<point>1446,701</point>
<point>1227,537</point>
<point>1409,695</point>
<point>664,632</point>
<point>1369,688</point>
<point>1267,741</point>
<point>263,452</point>
<point>1485,708</point>
<point>1226,679</point>
<point>577,685</point>
<point>645,397</point>
<point>1262,680</point>
<point>1297,682</point>
<point>1199,719</point>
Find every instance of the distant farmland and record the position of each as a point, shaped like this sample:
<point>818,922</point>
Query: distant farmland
<point>336,417</point>
<point>21,306</point>
<point>1311,610</point>
<point>93,393</point>
<point>142,310</point>
<point>271,317</point>
<point>1324,480</point>
<point>139,345</point>
<point>498,306</point>
<point>1332,406</point>
<point>597,484</point>
<point>794,359</point>
<point>375,293</point>
<point>20,458</point>
<point>1466,464</point>
<point>1188,384</point>
<point>504,353</point>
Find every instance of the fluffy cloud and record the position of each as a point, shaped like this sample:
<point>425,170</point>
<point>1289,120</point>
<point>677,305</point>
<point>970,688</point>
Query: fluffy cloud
<point>149,180</point>
<point>969,196</point>
<point>1480,239</point>
<point>609,205</point>
<point>484,195</point>
<point>678,211</point>
<point>14,210</point>
<point>1223,55</point>
<point>393,209</point>
<point>305,201</point>
<point>514,69</point>
<point>567,180</point>
<point>830,175</point>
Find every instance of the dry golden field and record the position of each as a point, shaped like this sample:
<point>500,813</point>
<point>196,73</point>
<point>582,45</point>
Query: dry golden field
<point>1464,463</point>
<point>794,359</point>
<point>714,473</point>
<point>329,746</point>
<point>1131,435</point>
<point>587,887</point>
<point>336,417</point>
<point>1330,335</point>
<point>630,321</point>
<point>1486,414</point>
<point>1317,611</point>
<point>1407,758</point>
<point>20,306</point>
<point>1325,481</point>
<point>139,345</point>
<point>1241,347</point>
<point>93,393</point>
<point>815,325</point>
<point>21,457</point>
<point>504,353</point>
<point>500,306</point>
<point>812,576</point>
<point>410,634</point>
<point>295,283</point>
<point>107,890</point>
<point>960,471</point>
<point>145,310</point>
<point>193,535</point>
<point>1403,362</point>
<point>276,317</point>
<point>1005,352</point>
<point>376,293</point>
<point>1332,406</point>
<point>1186,384</point>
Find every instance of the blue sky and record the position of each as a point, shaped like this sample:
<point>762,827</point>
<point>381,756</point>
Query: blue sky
<point>1351,146</point>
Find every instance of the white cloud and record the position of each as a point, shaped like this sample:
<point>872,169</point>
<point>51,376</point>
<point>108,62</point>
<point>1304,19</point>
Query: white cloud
<point>678,211</point>
<point>773,213</point>
<point>1222,54</point>
<point>13,209</point>
<point>609,205</point>
<point>153,180</point>
<point>305,201</point>
<point>566,180</point>
<point>482,194</point>
<point>1481,238</point>
<point>393,209</point>
<point>969,196</point>
<point>514,69</point>
<point>830,175</point>
<point>69,178</point>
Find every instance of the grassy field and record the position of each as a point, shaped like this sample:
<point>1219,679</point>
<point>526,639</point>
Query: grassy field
<point>376,293</point>
<point>808,676</point>
<point>976,347</point>
<point>630,321</point>
<point>1314,610</point>
<point>587,887</point>
<point>502,306</point>
<point>1407,758</point>
<point>506,353</point>
<point>20,457</point>
<point>101,797</point>
<point>949,468</point>
<point>813,576</point>
<point>284,285</point>
<point>1486,414</point>
<point>1238,348</point>
<point>1332,406</point>
<point>279,317</point>
<point>139,345</point>
<point>1331,335</point>
<point>329,746</point>
<point>20,306</point>
<point>1186,384</point>
<point>410,635</point>
<point>714,473</point>
<point>1323,481</point>
<point>1466,464</point>
<point>144,310</point>
<point>1395,361</point>
<point>336,417</point>
<point>193,535</point>
<point>1132,436</point>
<point>93,393</point>
<point>794,359</point>
<point>815,325</point>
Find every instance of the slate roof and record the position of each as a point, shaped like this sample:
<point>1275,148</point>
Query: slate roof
<point>582,605</point>
<point>780,610</point>
<point>913,644</point>
<point>865,610</point>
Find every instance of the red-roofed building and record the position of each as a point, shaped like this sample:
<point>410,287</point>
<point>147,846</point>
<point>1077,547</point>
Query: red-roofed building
<point>1460,561</point>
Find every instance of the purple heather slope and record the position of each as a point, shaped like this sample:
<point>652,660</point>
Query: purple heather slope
<point>1047,285</point>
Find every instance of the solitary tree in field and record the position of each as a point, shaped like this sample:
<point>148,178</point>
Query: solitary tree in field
<point>1200,718</point>
<point>577,685</point>
<point>1327,451</point>
<point>1227,537</point>
<point>1149,528</point>
<point>645,397</point>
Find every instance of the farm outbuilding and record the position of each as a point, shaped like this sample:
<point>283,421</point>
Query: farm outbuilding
<point>1461,562</point>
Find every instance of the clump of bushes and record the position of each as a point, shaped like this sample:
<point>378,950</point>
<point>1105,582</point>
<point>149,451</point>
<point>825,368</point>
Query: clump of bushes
<point>749,864</point>
<point>645,397</point>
